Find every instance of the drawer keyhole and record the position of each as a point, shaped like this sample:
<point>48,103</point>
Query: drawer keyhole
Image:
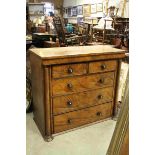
<point>69,103</point>
<point>98,113</point>
<point>70,70</point>
<point>103,66</point>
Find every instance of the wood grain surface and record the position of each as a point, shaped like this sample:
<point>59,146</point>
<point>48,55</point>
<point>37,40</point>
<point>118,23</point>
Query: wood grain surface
<point>69,70</point>
<point>52,53</point>
<point>77,118</point>
<point>81,59</point>
<point>117,81</point>
<point>47,102</point>
<point>73,102</point>
<point>102,66</point>
<point>78,84</point>
<point>37,81</point>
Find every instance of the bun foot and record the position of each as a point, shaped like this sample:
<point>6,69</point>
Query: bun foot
<point>48,138</point>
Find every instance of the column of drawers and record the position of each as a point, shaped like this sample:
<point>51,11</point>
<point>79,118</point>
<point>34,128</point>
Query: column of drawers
<point>81,93</point>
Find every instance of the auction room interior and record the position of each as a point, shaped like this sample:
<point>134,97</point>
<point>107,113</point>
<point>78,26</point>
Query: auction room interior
<point>77,68</point>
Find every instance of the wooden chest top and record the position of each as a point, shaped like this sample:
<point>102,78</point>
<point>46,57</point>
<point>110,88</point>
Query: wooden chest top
<point>53,53</point>
<point>74,86</point>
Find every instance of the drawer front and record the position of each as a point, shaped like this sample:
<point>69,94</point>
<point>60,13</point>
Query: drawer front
<point>81,100</point>
<point>77,118</point>
<point>69,70</point>
<point>102,66</point>
<point>79,84</point>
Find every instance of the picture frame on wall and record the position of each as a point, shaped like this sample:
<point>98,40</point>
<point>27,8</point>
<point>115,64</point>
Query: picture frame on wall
<point>66,10</point>
<point>99,7</point>
<point>69,12</point>
<point>74,11</point>
<point>80,10</point>
<point>86,10</point>
<point>93,8</point>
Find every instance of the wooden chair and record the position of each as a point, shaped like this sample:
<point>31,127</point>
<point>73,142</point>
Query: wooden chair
<point>64,39</point>
<point>108,34</point>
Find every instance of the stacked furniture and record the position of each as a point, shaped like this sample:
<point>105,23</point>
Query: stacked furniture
<point>74,86</point>
<point>34,10</point>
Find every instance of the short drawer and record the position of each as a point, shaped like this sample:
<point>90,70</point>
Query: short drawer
<point>102,66</point>
<point>78,84</point>
<point>69,70</point>
<point>77,118</point>
<point>73,102</point>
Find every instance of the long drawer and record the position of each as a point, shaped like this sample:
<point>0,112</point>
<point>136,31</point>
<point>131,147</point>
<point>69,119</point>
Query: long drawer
<point>77,118</point>
<point>73,102</point>
<point>78,84</point>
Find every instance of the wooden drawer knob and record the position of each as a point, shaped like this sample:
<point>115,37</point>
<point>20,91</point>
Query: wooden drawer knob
<point>70,70</point>
<point>69,85</point>
<point>98,113</point>
<point>103,66</point>
<point>69,103</point>
<point>100,96</point>
<point>69,121</point>
<point>101,80</point>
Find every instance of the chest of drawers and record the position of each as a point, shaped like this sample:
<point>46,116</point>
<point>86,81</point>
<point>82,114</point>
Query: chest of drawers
<point>73,86</point>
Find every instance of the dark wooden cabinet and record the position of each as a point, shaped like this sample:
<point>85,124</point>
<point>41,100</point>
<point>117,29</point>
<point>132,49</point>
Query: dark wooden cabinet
<point>73,86</point>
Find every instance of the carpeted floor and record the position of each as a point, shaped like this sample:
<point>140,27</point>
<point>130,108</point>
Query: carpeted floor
<point>91,140</point>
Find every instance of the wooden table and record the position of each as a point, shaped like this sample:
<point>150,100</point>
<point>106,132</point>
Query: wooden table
<point>39,38</point>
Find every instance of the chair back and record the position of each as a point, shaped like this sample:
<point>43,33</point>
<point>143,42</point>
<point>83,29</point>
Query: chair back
<point>59,29</point>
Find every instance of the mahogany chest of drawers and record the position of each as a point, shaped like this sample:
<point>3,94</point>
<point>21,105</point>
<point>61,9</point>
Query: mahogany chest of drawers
<point>73,86</point>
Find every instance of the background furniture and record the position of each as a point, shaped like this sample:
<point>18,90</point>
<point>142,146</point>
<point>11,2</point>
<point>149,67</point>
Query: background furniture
<point>34,10</point>
<point>121,26</point>
<point>64,39</point>
<point>73,86</point>
<point>48,44</point>
<point>104,30</point>
<point>29,99</point>
<point>38,39</point>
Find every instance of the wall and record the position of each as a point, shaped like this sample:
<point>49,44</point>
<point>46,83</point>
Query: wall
<point>67,3</point>
<point>58,4</point>
<point>117,3</point>
<point>37,1</point>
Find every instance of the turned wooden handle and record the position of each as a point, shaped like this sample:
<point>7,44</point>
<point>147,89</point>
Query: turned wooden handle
<point>69,121</point>
<point>69,85</point>
<point>98,113</point>
<point>70,70</point>
<point>100,96</point>
<point>103,66</point>
<point>69,103</point>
